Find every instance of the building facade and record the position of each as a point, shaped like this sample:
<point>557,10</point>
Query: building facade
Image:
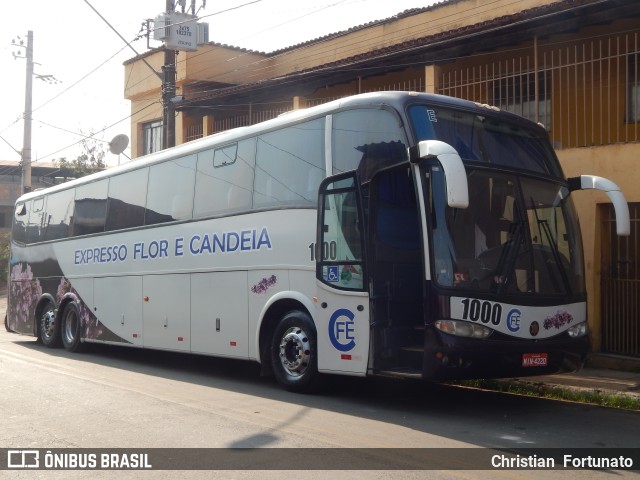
<point>572,65</point>
<point>43,175</point>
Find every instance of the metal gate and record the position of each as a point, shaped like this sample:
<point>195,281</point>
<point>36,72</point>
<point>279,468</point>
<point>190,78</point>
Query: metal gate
<point>620,282</point>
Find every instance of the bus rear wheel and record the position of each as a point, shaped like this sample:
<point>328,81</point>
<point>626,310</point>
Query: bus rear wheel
<point>71,328</point>
<point>294,353</point>
<point>48,326</point>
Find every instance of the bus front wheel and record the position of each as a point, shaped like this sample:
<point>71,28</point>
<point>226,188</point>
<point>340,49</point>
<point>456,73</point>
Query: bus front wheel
<point>294,354</point>
<point>71,328</point>
<point>48,326</point>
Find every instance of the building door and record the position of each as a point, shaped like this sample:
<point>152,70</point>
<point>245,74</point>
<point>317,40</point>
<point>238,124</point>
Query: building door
<point>620,284</point>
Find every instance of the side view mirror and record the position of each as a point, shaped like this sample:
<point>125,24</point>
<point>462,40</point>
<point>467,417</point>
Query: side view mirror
<point>587,182</point>
<point>454,172</point>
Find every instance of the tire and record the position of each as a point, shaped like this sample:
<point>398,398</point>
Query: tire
<point>294,353</point>
<point>6,324</point>
<point>70,328</point>
<point>48,326</point>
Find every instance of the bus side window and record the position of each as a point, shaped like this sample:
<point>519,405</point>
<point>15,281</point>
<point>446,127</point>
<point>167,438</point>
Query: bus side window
<point>367,139</point>
<point>339,252</point>
<point>224,179</point>
<point>287,160</point>
<point>37,217</point>
<point>20,220</point>
<point>126,203</point>
<point>170,193</point>
<point>90,212</point>
<point>56,222</point>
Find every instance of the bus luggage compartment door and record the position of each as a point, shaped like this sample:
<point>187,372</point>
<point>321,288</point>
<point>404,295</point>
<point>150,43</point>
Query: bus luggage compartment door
<point>166,312</point>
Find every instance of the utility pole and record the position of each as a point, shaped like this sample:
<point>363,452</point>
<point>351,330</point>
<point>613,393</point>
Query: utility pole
<point>25,162</point>
<point>169,92</point>
<point>26,139</point>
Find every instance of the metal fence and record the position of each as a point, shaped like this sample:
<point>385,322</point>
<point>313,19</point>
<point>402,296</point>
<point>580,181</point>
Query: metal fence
<point>620,284</point>
<point>247,119</point>
<point>586,92</point>
<point>193,132</point>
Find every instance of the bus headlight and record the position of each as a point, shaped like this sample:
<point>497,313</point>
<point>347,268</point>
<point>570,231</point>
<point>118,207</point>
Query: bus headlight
<point>463,329</point>
<point>579,330</point>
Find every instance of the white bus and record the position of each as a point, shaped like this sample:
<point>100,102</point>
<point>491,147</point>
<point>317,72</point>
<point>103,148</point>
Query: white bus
<point>392,233</point>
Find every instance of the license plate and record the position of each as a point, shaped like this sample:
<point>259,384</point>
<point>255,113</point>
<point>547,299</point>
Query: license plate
<point>534,359</point>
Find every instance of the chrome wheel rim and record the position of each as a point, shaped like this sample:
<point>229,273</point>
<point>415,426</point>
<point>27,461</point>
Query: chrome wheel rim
<point>295,351</point>
<point>47,324</point>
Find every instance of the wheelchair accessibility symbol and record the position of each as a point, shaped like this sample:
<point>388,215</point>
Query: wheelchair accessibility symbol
<point>333,273</point>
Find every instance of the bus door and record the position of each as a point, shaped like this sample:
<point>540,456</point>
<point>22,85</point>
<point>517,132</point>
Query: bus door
<point>396,272</point>
<point>343,314</point>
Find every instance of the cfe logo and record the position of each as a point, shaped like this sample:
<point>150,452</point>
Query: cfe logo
<point>513,320</point>
<point>341,330</point>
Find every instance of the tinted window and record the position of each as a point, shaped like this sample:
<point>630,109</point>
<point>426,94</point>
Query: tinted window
<point>90,213</point>
<point>57,221</point>
<point>290,165</point>
<point>170,195</point>
<point>224,182</point>
<point>340,257</point>
<point>37,220</point>
<point>20,221</point>
<point>127,194</point>
<point>487,139</point>
<point>367,138</point>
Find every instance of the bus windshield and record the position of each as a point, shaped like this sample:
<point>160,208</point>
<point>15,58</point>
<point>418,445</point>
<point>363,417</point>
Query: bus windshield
<point>519,233</point>
<point>486,140</point>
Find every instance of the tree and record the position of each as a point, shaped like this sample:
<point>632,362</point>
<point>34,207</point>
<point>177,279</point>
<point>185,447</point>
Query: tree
<point>91,159</point>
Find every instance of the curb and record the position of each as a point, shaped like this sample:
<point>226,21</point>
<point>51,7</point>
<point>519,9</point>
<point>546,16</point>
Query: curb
<point>613,362</point>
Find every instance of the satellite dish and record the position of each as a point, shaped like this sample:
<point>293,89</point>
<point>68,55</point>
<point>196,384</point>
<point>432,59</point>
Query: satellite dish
<point>118,144</point>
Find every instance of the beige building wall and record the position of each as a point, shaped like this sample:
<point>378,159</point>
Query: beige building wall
<point>225,65</point>
<point>618,163</point>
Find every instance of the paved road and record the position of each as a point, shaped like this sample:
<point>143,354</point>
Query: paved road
<point>128,398</point>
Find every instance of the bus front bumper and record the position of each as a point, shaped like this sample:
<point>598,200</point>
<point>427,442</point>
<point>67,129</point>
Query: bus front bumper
<point>454,358</point>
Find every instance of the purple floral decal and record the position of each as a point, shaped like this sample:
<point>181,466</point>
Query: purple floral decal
<point>24,294</point>
<point>264,284</point>
<point>91,327</point>
<point>556,321</point>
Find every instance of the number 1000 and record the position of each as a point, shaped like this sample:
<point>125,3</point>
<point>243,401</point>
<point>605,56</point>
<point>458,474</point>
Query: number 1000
<point>484,311</point>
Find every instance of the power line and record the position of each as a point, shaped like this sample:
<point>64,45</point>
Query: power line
<point>79,80</point>
<point>98,132</point>
<point>12,147</point>
<point>128,44</point>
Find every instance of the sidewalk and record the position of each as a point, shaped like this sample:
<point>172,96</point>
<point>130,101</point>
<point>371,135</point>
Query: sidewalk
<point>607,374</point>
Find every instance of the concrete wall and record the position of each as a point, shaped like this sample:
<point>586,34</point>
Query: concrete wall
<point>617,163</point>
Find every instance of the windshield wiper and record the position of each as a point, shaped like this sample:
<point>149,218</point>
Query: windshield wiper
<point>506,264</point>
<point>555,252</point>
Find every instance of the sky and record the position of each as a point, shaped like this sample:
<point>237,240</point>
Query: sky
<point>75,46</point>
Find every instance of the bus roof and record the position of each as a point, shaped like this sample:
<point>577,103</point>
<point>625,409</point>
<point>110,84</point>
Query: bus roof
<point>397,99</point>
